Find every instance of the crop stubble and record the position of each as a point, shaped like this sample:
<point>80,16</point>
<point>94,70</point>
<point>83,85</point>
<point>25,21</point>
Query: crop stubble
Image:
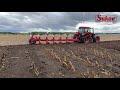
<point>95,60</point>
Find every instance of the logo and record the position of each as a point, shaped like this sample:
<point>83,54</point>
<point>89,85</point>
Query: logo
<point>106,18</point>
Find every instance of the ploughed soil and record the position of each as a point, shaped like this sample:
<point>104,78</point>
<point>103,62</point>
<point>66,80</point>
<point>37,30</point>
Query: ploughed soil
<point>63,60</point>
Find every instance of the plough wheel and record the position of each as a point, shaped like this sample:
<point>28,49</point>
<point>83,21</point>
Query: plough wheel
<point>32,41</point>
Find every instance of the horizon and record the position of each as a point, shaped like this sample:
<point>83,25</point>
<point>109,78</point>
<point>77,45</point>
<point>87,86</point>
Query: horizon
<point>48,32</point>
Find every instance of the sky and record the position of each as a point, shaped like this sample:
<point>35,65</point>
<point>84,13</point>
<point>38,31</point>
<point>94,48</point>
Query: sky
<point>24,22</point>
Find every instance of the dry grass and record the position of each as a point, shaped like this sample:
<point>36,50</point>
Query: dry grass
<point>34,69</point>
<point>13,39</point>
<point>109,37</point>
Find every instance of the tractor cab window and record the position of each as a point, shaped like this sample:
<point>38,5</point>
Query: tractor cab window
<point>87,30</point>
<point>81,30</point>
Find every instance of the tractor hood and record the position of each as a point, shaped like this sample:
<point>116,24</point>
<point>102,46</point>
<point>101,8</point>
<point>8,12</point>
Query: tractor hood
<point>77,33</point>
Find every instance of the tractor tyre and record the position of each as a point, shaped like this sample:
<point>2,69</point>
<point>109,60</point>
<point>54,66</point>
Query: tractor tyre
<point>94,39</point>
<point>86,39</point>
<point>74,37</point>
<point>81,40</point>
<point>91,40</point>
<point>97,39</point>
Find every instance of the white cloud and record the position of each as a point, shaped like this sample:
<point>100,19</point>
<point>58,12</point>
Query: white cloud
<point>39,30</point>
<point>116,13</point>
<point>3,14</point>
<point>27,19</point>
<point>100,27</point>
<point>54,21</point>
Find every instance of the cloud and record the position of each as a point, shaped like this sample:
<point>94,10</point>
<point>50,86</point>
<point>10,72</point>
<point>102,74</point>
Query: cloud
<point>54,21</point>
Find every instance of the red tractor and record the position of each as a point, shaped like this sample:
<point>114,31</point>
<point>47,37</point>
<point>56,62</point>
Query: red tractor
<point>86,35</point>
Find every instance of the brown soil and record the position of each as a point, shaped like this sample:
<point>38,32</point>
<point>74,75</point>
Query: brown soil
<point>70,60</point>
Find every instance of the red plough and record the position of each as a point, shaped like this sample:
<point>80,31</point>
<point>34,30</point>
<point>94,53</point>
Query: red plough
<point>33,39</point>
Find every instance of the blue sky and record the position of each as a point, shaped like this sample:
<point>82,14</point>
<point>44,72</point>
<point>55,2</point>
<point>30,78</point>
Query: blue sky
<point>55,21</point>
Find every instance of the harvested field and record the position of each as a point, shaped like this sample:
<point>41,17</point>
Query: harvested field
<point>23,39</point>
<point>18,59</point>
<point>70,60</point>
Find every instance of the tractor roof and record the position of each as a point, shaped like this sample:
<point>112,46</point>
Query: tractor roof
<point>84,27</point>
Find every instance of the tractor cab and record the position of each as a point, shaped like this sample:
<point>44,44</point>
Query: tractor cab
<point>84,30</point>
<point>86,33</point>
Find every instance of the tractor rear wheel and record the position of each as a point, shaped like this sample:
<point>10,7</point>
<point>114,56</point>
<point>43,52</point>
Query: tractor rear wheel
<point>74,37</point>
<point>97,39</point>
<point>91,40</point>
<point>94,39</point>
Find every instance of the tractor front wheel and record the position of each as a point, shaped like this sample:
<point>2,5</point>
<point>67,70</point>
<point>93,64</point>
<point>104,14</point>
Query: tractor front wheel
<point>94,39</point>
<point>87,40</point>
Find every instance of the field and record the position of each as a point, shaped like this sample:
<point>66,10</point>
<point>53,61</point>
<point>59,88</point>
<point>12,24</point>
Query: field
<point>67,60</point>
<point>9,39</point>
